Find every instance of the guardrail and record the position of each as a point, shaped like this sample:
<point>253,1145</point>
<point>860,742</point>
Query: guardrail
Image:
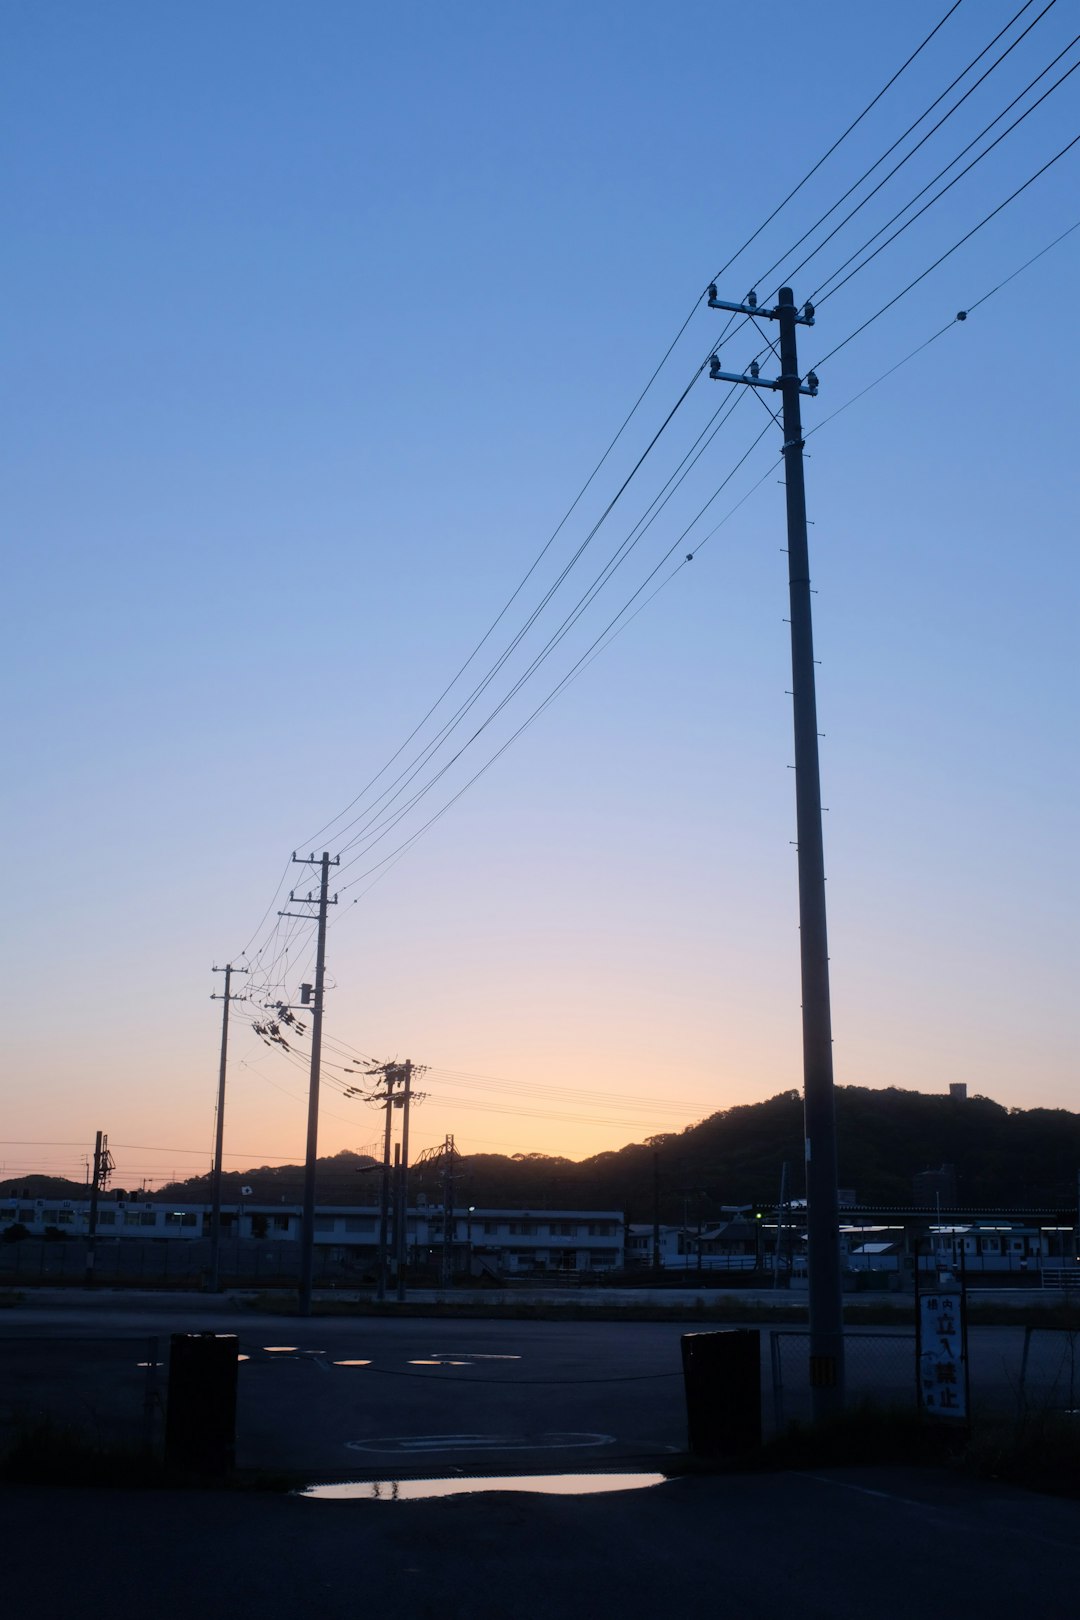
<point>1061,1276</point>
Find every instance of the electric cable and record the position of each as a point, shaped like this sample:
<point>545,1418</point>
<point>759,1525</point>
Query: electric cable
<point>949,252</point>
<point>819,296</point>
<point>789,275</point>
<point>838,142</point>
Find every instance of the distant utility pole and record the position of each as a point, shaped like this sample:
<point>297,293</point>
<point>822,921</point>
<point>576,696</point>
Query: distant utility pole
<point>822,1211</point>
<point>390,1076</point>
<point>448,1212</point>
<point>655,1211</point>
<point>307,1233</point>
<point>401,1233</point>
<point>219,1129</point>
<point>103,1168</point>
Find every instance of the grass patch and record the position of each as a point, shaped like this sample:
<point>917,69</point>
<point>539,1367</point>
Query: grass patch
<point>44,1452</point>
<point>1040,1451</point>
<point>1037,1451</point>
<point>725,1308</point>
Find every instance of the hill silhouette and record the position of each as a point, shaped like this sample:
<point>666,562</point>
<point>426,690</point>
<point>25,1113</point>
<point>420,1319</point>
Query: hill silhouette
<point>1003,1157</point>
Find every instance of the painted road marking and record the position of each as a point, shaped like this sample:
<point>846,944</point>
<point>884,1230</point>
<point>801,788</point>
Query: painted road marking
<point>411,1444</point>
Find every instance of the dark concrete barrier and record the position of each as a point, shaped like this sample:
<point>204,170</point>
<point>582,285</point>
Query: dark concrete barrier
<point>200,1419</point>
<point>722,1372</point>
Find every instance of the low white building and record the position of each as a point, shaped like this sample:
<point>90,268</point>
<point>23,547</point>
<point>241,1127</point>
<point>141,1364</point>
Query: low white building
<point>500,1241</point>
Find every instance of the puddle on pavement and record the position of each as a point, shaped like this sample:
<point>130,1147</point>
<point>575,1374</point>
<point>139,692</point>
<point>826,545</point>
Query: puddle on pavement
<point>417,1490</point>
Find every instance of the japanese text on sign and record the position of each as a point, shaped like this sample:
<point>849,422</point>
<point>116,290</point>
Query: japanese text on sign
<point>942,1379</point>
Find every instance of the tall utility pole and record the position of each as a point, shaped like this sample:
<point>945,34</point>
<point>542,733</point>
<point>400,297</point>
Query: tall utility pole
<point>656,1211</point>
<point>103,1166</point>
<point>103,1169</point>
<point>219,1128</point>
<point>403,1182</point>
<point>448,1212</point>
<point>822,1209</point>
<point>307,1232</point>
<point>390,1075</point>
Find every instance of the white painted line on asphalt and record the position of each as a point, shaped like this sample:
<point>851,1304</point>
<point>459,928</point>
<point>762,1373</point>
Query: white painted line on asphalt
<point>944,1515</point>
<point>483,1442</point>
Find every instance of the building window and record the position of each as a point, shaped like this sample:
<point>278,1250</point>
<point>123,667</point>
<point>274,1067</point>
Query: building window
<point>148,1217</point>
<point>281,1223</point>
<point>189,1218</point>
<point>107,1217</point>
<point>324,1223</point>
<point>131,1218</point>
<point>359,1223</point>
<point>27,1215</point>
<point>65,1218</point>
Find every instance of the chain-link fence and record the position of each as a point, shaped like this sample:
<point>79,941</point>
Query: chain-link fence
<point>1049,1374</point>
<point>156,1264</point>
<point>879,1368</point>
<point>103,1393</point>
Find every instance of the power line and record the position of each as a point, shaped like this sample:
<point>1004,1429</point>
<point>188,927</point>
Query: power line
<point>838,142</point>
<point>949,251</point>
<point>451,725</point>
<point>962,315</point>
<point>851,127</point>
<point>820,295</point>
<point>791,274</point>
<point>610,567</point>
<point>563,683</point>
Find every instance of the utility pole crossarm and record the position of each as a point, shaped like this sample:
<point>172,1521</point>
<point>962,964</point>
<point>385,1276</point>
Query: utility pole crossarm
<point>751,308</point>
<point>754,381</point>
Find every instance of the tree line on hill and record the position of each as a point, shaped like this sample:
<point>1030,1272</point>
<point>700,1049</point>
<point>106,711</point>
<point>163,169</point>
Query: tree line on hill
<point>1002,1157</point>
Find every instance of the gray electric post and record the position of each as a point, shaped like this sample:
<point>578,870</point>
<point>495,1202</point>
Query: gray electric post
<point>403,1184</point>
<point>390,1075</point>
<point>307,1232</point>
<point>214,1281</point>
<point>822,1208</point>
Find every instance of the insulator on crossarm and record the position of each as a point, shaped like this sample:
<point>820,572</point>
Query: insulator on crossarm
<point>755,369</point>
<point>712,293</point>
<point>751,300</point>
<point>811,380</point>
<point>714,366</point>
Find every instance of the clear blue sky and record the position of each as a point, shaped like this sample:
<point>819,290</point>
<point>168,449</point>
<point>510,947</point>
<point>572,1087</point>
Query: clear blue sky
<point>317,318</point>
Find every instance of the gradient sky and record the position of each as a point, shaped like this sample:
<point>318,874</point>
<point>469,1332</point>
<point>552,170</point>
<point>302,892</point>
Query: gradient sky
<point>317,318</point>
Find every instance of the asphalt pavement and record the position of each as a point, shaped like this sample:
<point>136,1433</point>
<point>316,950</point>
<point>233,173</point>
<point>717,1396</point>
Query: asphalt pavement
<point>341,1396</point>
<point>867,1544</point>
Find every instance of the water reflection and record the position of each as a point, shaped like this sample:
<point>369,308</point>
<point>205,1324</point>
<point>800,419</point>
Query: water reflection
<point>416,1490</point>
